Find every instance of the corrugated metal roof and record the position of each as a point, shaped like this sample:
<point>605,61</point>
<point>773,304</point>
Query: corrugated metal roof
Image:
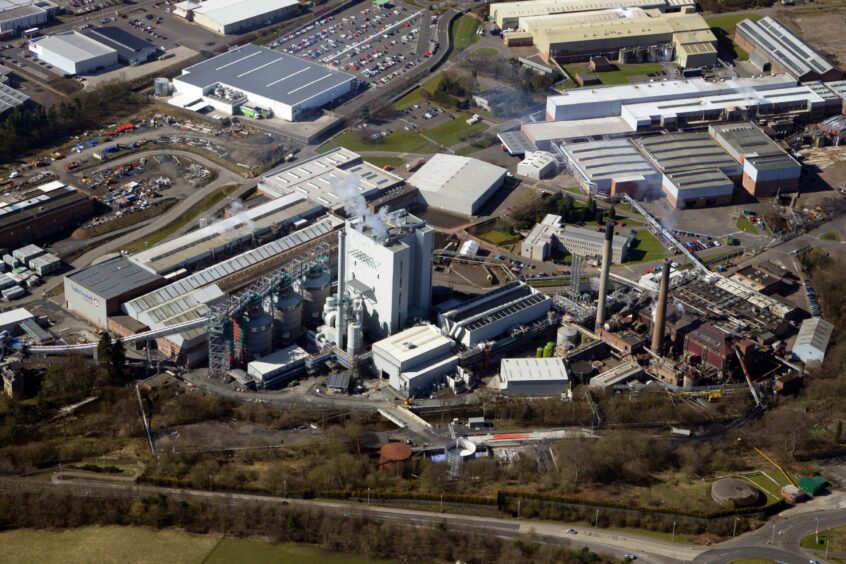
<point>227,12</point>
<point>784,47</point>
<point>532,369</point>
<point>74,46</point>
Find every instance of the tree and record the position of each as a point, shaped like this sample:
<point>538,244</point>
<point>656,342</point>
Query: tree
<point>364,113</point>
<point>118,361</point>
<point>104,349</point>
<point>612,213</point>
<point>838,431</point>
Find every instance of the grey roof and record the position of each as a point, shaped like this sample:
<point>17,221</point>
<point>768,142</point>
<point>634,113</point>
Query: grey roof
<point>74,46</point>
<point>516,142</point>
<point>700,178</point>
<point>784,47</point>
<point>120,40</point>
<point>10,98</point>
<point>614,158</point>
<point>685,151</point>
<point>114,277</point>
<point>264,72</point>
<point>814,332</point>
<point>35,332</point>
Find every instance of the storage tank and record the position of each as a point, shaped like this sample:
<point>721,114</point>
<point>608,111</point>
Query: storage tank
<point>259,333</point>
<point>287,317</point>
<point>548,349</point>
<point>582,370</point>
<point>567,335</point>
<point>161,86</point>
<point>314,288</point>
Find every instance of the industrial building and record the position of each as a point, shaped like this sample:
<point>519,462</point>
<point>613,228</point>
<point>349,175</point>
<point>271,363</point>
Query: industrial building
<point>231,17</point>
<point>384,277</point>
<point>537,165</point>
<point>330,179</point>
<point>97,291</point>
<point>415,359</point>
<point>701,188</point>
<point>551,234</point>
<point>533,376</point>
<point>10,98</point>
<point>19,15</point>
<point>74,53</point>
<point>223,238</point>
<point>278,367</point>
<point>43,212</point>
<point>259,81</point>
<point>612,167</point>
<point>131,49</point>
<point>774,48</point>
<point>812,340</point>
<point>620,374</point>
<point>508,15</point>
<point>494,313</point>
<point>767,168</point>
<point>625,35</point>
<point>456,184</point>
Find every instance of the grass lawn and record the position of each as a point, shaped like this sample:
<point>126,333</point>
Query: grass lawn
<point>485,52</point>
<point>399,141</point>
<point>728,22</point>
<point>645,248</point>
<point>747,226</point>
<point>619,76</point>
<point>830,236</point>
<point>723,27</point>
<point>499,236</point>
<point>765,485</point>
<point>258,552</point>
<point>408,100</point>
<point>186,217</point>
<point>451,132</point>
<point>463,32</point>
<point>837,542</point>
<point>661,535</point>
<point>381,162</point>
<point>106,544</point>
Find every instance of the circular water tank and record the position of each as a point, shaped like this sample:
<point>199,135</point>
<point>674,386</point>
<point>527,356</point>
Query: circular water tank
<point>314,288</point>
<point>731,492</point>
<point>161,86</point>
<point>460,447</point>
<point>582,370</point>
<point>259,333</point>
<point>287,318</point>
<point>567,335</point>
<point>394,452</point>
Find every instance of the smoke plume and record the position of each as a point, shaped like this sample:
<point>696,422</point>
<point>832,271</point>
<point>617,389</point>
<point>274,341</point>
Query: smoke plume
<point>347,189</point>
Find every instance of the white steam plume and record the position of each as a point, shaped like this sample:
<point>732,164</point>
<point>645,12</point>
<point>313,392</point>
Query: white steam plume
<point>355,205</point>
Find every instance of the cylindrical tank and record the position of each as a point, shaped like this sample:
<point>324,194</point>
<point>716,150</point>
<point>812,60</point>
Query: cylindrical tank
<point>582,371</point>
<point>161,86</point>
<point>314,288</point>
<point>354,337</point>
<point>287,318</point>
<point>567,335</point>
<point>539,352</point>
<point>548,349</point>
<point>259,333</point>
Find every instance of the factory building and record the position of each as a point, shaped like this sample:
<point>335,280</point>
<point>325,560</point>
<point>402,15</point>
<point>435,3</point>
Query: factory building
<point>489,315</point>
<point>74,53</point>
<point>701,188</point>
<point>415,359</point>
<point>9,97</point>
<point>41,213</point>
<point>231,17</point>
<point>812,341</point>
<point>508,15</point>
<point>537,165</point>
<point>612,167</point>
<point>620,374</point>
<point>456,184</point>
<point>131,49</point>
<point>330,178</point>
<point>551,234</point>
<point>224,238</point>
<point>533,377</point>
<point>278,367</point>
<point>774,48</point>
<point>767,168</point>
<point>97,292</point>
<point>255,80</point>
<point>711,345</point>
<point>19,15</point>
<point>627,36</point>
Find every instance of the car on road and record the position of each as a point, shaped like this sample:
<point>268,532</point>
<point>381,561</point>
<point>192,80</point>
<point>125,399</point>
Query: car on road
<point>570,531</point>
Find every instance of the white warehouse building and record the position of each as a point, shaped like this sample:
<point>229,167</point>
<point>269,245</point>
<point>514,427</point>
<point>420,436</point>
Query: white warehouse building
<point>74,53</point>
<point>812,340</point>
<point>414,359</point>
<point>455,184</point>
<point>533,376</point>
<point>258,77</point>
<point>230,17</point>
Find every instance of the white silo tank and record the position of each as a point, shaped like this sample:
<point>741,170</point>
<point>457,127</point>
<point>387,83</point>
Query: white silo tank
<point>314,287</point>
<point>161,86</point>
<point>567,335</point>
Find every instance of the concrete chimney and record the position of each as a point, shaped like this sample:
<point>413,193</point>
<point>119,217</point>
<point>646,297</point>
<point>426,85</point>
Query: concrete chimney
<point>342,259</point>
<point>603,275</point>
<point>661,310</point>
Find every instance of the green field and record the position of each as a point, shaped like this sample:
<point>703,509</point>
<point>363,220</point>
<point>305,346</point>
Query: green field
<point>837,543</point>
<point>765,485</point>
<point>381,162</point>
<point>451,132</point>
<point>645,248</point>
<point>463,32</point>
<point>499,236</point>
<point>745,225</point>
<point>431,84</point>
<point>123,545</point>
<point>723,27</point>
<point>619,76</point>
<point>728,22</point>
<point>186,217</point>
<point>399,142</point>
<point>408,100</point>
<point>485,52</point>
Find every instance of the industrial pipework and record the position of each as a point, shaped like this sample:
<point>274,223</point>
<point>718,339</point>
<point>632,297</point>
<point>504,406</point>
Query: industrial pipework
<point>661,310</point>
<point>603,275</point>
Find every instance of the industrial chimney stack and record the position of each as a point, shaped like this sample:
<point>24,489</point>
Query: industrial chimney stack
<point>661,310</point>
<point>342,256</point>
<point>603,275</point>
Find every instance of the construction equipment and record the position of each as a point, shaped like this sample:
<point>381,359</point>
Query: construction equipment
<point>748,377</point>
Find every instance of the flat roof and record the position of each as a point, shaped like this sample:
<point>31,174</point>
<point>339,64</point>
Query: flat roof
<point>119,39</point>
<point>685,151</point>
<point>74,46</point>
<point>598,160</point>
<point>664,25</point>
<point>114,277</point>
<point>279,359</point>
<point>701,179</point>
<point>532,370</point>
<point>533,24</point>
<point>227,12</point>
<point>785,48</point>
<point>14,316</point>
<point>37,203</point>
<point>463,180</point>
<point>413,342</point>
<point>544,131</point>
<point>590,236</point>
<point>264,72</point>
<point>516,142</point>
<point>510,10</point>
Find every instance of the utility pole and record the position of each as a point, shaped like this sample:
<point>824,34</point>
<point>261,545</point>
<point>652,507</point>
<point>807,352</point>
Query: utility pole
<point>674,532</point>
<point>772,538</point>
<point>817,531</point>
<point>734,530</point>
<point>596,519</point>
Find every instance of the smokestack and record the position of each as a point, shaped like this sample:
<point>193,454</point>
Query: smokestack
<point>603,275</point>
<point>342,252</point>
<point>661,310</point>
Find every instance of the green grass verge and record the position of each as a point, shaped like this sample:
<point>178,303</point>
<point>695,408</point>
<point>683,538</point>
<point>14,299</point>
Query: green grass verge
<point>454,131</point>
<point>723,27</point>
<point>766,485</point>
<point>499,236</point>
<point>746,226</point>
<point>381,162</point>
<point>409,100</point>
<point>837,542</point>
<point>485,52</point>
<point>399,141</point>
<point>183,219</point>
<point>463,32</point>
<point>830,236</point>
<point>619,76</point>
<point>661,535</point>
<point>728,22</point>
<point>257,552</point>
<point>431,84</point>
<point>645,248</point>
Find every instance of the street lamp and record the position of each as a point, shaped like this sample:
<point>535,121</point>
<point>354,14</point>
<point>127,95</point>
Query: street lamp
<point>734,530</point>
<point>368,496</point>
<point>772,539</point>
<point>817,531</point>
<point>674,531</point>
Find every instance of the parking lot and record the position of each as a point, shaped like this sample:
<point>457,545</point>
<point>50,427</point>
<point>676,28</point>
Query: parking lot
<point>377,44</point>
